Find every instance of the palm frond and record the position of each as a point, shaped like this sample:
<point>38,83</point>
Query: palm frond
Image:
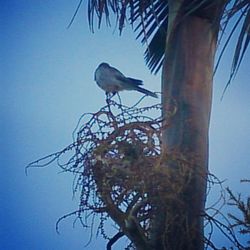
<point>154,54</point>
<point>150,18</point>
<point>74,16</point>
<point>243,9</point>
<point>153,32</point>
<point>228,39</point>
<point>242,42</point>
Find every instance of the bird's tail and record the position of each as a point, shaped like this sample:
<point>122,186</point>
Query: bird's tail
<point>146,92</point>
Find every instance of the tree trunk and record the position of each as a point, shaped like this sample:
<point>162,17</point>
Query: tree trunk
<point>187,92</point>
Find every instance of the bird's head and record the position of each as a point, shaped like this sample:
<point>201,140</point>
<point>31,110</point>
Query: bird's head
<point>103,65</point>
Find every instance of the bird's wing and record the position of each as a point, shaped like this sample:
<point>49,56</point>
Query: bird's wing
<point>119,76</point>
<point>116,73</point>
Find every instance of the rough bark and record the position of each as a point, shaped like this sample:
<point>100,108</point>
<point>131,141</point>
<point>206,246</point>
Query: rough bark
<point>187,90</point>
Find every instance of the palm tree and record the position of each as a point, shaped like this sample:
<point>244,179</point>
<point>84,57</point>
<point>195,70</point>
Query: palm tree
<point>182,37</point>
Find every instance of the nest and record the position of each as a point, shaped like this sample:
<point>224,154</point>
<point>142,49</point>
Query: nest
<point>121,173</point>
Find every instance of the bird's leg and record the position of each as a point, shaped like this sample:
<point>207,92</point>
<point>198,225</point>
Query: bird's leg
<point>108,100</point>
<point>107,97</point>
<point>113,94</point>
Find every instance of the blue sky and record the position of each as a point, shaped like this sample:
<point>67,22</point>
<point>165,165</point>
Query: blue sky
<point>47,84</point>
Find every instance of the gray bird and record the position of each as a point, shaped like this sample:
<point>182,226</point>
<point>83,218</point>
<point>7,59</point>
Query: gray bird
<point>112,80</point>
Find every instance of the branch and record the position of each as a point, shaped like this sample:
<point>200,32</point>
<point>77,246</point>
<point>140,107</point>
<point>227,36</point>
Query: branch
<point>114,239</point>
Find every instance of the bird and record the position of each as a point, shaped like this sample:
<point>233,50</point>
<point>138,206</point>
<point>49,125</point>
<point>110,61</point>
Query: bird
<point>111,80</point>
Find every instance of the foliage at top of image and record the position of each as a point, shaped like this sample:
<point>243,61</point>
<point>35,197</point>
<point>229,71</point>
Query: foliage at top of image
<point>149,19</point>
